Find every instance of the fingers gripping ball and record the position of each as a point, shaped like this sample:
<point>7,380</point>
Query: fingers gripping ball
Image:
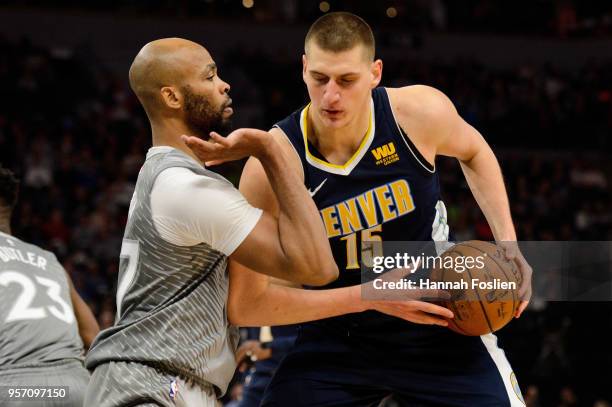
<point>488,295</point>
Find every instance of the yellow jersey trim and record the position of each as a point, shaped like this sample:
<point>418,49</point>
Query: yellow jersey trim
<point>347,167</point>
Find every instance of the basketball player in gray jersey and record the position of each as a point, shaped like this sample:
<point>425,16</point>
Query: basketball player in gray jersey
<point>39,329</point>
<point>171,343</point>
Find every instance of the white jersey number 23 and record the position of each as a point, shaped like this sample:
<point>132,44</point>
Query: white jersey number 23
<point>22,308</point>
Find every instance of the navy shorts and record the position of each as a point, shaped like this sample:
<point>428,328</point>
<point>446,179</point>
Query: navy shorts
<point>443,369</point>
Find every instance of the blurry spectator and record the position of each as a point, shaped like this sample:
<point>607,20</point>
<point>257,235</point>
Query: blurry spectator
<point>568,397</point>
<point>259,356</point>
<point>532,396</point>
<point>235,395</point>
<point>565,18</point>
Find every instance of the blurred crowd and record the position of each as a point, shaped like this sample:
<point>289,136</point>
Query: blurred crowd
<point>76,136</point>
<point>561,18</point>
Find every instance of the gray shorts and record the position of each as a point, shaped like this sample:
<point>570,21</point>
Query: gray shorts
<point>69,373</point>
<point>116,384</point>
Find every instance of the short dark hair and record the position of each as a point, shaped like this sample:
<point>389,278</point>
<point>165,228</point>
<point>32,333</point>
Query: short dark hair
<point>9,188</point>
<point>341,31</point>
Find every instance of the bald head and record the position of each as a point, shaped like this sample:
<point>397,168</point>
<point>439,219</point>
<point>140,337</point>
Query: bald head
<point>165,62</point>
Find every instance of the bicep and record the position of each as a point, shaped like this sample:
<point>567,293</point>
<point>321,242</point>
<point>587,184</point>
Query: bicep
<point>439,127</point>
<point>264,238</point>
<point>245,284</point>
<point>463,142</point>
<point>453,135</point>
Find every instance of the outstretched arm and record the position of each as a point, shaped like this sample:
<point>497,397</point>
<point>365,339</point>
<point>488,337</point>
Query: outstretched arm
<point>291,244</point>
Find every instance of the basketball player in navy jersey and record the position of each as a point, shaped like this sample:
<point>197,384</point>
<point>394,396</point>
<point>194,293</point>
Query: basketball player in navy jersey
<point>367,155</point>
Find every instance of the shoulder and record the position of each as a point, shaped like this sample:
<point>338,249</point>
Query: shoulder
<point>293,156</point>
<point>288,148</point>
<point>426,114</point>
<point>179,179</point>
<point>178,188</point>
<point>421,103</point>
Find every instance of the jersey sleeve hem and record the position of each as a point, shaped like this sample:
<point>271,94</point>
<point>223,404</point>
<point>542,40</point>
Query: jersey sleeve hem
<point>247,227</point>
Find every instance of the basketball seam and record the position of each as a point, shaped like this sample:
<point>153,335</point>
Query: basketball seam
<point>452,302</point>
<point>484,311</point>
<point>514,299</point>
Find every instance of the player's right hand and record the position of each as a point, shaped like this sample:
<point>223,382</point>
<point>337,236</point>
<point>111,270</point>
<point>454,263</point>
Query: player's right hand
<point>413,305</point>
<point>238,144</point>
<point>418,312</point>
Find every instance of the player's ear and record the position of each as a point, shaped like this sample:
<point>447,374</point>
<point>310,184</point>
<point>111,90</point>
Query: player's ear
<point>171,97</point>
<point>376,71</point>
<point>304,67</point>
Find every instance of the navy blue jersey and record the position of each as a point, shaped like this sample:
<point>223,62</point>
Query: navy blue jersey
<point>387,191</point>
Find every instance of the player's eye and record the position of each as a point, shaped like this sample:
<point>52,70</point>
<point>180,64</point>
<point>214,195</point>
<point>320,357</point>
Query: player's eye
<point>210,78</point>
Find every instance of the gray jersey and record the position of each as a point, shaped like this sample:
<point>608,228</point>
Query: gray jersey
<point>171,299</point>
<point>37,322</point>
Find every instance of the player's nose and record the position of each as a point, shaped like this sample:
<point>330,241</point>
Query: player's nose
<point>224,87</point>
<point>331,94</point>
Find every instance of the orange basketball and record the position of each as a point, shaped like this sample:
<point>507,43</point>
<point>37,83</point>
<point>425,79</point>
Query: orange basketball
<point>486,300</point>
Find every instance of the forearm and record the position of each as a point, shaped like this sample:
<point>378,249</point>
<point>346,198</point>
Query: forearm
<point>280,305</point>
<point>87,323</point>
<point>485,179</point>
<point>301,233</point>
<point>88,326</point>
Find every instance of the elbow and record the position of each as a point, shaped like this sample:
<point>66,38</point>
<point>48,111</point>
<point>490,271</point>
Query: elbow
<point>320,268</point>
<point>234,315</point>
<point>234,318</point>
<point>239,312</point>
<point>331,273</point>
<point>326,273</point>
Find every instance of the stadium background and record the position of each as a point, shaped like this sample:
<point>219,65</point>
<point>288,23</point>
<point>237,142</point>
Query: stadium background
<point>535,77</point>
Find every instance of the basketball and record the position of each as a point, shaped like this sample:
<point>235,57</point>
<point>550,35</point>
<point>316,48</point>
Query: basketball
<point>486,295</point>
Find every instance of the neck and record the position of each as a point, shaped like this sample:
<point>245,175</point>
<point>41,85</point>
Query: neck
<point>338,144</point>
<point>168,132</point>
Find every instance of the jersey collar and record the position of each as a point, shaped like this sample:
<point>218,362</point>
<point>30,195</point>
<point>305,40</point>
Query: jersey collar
<point>347,167</point>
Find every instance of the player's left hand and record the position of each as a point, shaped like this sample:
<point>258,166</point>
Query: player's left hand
<point>238,144</point>
<point>513,253</point>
